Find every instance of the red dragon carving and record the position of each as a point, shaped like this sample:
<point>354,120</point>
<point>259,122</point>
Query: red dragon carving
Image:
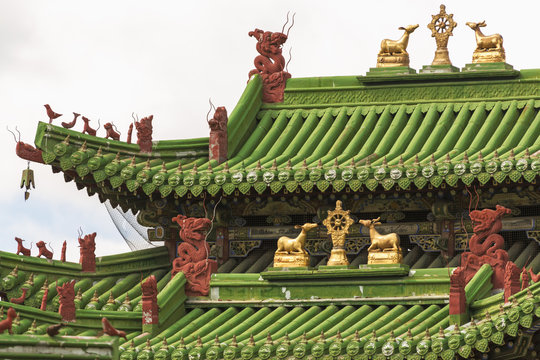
<point>66,295</point>
<point>144,133</point>
<point>193,255</point>
<point>87,251</point>
<point>486,245</point>
<point>511,280</point>
<point>28,152</point>
<point>270,64</point>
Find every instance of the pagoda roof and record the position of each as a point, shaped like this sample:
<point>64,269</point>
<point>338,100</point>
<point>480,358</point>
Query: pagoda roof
<point>375,327</point>
<point>335,132</point>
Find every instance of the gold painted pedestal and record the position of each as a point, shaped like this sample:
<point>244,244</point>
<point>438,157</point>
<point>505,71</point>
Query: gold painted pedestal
<point>385,60</point>
<point>385,257</point>
<point>337,257</point>
<point>489,56</point>
<point>291,260</point>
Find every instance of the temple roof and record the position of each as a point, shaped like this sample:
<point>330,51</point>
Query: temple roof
<point>363,133</point>
<point>372,327</point>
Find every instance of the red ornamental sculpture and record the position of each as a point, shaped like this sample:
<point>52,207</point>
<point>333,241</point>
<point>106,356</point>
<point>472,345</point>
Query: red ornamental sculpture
<point>149,301</point>
<point>87,250</point>
<point>458,304</point>
<point>218,135</point>
<point>66,295</point>
<point>486,245</point>
<point>512,284</point>
<point>20,247</point>
<point>270,64</point>
<point>8,322</point>
<point>193,255</point>
<point>41,245</point>
<point>144,133</point>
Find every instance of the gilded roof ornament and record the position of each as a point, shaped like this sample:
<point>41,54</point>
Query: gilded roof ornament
<point>338,223</point>
<point>394,52</point>
<point>489,48</point>
<point>441,26</point>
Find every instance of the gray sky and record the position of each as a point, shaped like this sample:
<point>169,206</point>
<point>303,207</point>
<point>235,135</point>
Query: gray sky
<point>107,59</point>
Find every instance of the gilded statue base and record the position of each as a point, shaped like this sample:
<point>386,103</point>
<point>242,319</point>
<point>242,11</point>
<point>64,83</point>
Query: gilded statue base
<point>441,57</point>
<point>385,257</point>
<point>386,60</point>
<point>337,257</point>
<point>490,56</point>
<point>291,260</point>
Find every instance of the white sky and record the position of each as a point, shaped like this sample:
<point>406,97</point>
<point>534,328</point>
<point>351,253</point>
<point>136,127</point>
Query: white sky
<point>107,59</point>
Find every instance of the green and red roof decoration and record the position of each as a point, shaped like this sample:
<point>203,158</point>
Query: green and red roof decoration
<point>332,134</point>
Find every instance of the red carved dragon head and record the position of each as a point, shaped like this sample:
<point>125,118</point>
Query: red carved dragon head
<point>488,220</point>
<point>193,229</point>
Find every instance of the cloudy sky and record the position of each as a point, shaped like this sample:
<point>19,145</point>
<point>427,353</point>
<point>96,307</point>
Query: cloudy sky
<point>107,59</point>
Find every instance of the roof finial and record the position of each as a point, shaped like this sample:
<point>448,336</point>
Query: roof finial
<point>496,155</point>
<point>336,164</point>
<point>251,340</point>
<point>199,341</point>
<point>356,335</point>
<point>179,168</point>
<point>163,167</point>
<point>353,164</point>
<point>447,160</point>
<point>416,160</point>
<point>194,169</point>
<point>83,146</point>
<point>384,162</point>
<point>269,339</point>
<point>132,161</point>
<point>480,156</point>
<point>117,157</point>
<point>99,151</point>
<point>432,160</point>
<point>258,166</point>
<point>216,340</point>
<point>233,342</point>
<point>527,154</point>
<point>465,157</point>
<point>274,165</point>
<point>512,155</point>
<point>428,335</point>
<point>147,166</point>
<point>111,298</point>
<point>368,162</point>
<point>400,163</point>
<point>441,332</point>
<point>304,164</point>
<point>289,165</point>
<point>226,167</point>
<point>319,164</point>
<point>210,170</point>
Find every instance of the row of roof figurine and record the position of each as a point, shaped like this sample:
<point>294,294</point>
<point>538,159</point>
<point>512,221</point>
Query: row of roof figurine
<point>143,127</point>
<point>489,48</point>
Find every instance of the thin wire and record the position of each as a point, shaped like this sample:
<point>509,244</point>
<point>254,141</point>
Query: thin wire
<point>211,227</point>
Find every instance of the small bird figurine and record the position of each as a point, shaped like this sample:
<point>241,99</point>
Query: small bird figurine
<point>51,114</point>
<point>69,125</point>
<point>53,330</point>
<point>110,330</point>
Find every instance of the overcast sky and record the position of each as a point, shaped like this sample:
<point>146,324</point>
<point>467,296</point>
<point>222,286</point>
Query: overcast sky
<point>107,59</point>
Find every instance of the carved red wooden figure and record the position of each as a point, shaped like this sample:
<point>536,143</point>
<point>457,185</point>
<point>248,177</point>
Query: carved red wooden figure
<point>144,133</point>
<point>110,330</point>
<point>149,301</point>
<point>63,252</point>
<point>20,300</point>
<point>69,125</point>
<point>43,250</point>
<point>87,246</point>
<point>8,322</point>
<point>270,64</point>
<point>193,255</point>
<point>110,131</point>
<point>218,142</point>
<point>487,247</point>
<point>87,129</point>
<point>50,113</point>
<point>21,249</point>
<point>66,294</point>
